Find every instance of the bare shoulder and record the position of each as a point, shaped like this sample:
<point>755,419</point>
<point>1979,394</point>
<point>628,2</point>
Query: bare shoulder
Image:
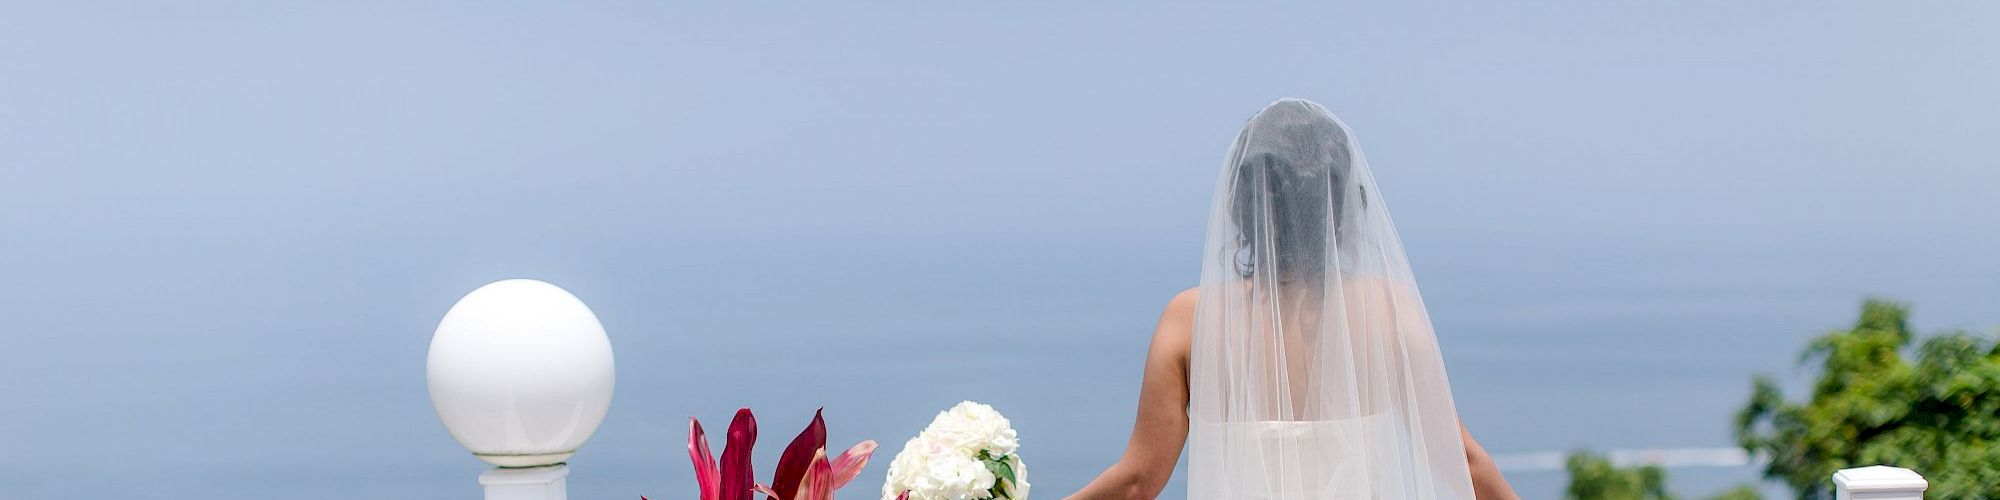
<point>1182,306</point>
<point>1177,324</point>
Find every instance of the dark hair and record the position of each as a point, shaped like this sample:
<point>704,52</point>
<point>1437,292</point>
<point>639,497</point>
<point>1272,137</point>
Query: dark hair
<point>1292,169</point>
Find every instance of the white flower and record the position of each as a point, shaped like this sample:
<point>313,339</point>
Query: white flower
<point>943,462</point>
<point>971,427</point>
<point>930,470</point>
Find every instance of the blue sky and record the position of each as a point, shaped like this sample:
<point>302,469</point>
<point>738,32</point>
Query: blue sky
<point>228,227</point>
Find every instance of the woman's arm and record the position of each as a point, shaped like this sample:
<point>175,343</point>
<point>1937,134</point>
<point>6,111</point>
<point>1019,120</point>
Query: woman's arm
<point>1161,427</point>
<point>1487,484</point>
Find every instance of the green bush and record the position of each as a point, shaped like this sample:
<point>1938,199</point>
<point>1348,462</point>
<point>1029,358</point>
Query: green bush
<point>1938,415</point>
<point>1592,477</point>
<point>1740,492</point>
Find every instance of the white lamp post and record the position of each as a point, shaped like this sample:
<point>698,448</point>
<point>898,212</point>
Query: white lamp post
<point>521,374</point>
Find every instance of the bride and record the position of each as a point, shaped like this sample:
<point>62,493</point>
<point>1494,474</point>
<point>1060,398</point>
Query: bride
<point>1304,366</point>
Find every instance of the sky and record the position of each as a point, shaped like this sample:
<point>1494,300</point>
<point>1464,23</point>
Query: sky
<point>229,228</point>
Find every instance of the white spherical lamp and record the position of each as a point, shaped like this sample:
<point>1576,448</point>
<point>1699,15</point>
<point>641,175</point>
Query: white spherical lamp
<point>521,373</point>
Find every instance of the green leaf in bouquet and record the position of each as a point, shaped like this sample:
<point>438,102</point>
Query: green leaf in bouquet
<point>1003,472</point>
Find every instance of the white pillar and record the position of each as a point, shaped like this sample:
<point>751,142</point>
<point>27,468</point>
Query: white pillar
<point>529,483</point>
<point>1878,482</point>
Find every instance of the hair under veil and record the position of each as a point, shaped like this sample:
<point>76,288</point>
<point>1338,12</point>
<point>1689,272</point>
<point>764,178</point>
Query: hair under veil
<point>1314,372</point>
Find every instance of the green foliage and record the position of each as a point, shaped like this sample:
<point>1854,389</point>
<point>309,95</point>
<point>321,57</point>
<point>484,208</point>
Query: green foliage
<point>1938,415</point>
<point>1740,492</point>
<point>1592,477</point>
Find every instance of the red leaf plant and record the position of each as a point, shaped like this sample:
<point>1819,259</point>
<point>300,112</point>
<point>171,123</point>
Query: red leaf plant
<point>804,471</point>
<point>736,478</point>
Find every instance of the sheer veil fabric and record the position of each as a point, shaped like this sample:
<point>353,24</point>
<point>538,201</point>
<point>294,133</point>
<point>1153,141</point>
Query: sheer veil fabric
<point>1314,372</point>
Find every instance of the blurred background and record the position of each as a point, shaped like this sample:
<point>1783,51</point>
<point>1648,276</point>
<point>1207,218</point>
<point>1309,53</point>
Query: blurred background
<point>227,229</point>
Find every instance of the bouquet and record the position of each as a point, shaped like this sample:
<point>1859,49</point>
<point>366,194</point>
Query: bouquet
<point>967,453</point>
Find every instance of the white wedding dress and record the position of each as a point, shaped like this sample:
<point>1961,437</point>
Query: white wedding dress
<point>1279,449</point>
<point>1314,373</point>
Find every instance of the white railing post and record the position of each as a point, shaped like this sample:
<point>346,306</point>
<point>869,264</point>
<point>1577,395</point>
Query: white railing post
<point>521,373</point>
<point>1878,482</point>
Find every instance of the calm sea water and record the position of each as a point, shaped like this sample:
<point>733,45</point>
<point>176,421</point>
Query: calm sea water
<point>227,230</point>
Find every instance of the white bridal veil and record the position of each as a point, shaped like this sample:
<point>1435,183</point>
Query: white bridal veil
<point>1314,372</point>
